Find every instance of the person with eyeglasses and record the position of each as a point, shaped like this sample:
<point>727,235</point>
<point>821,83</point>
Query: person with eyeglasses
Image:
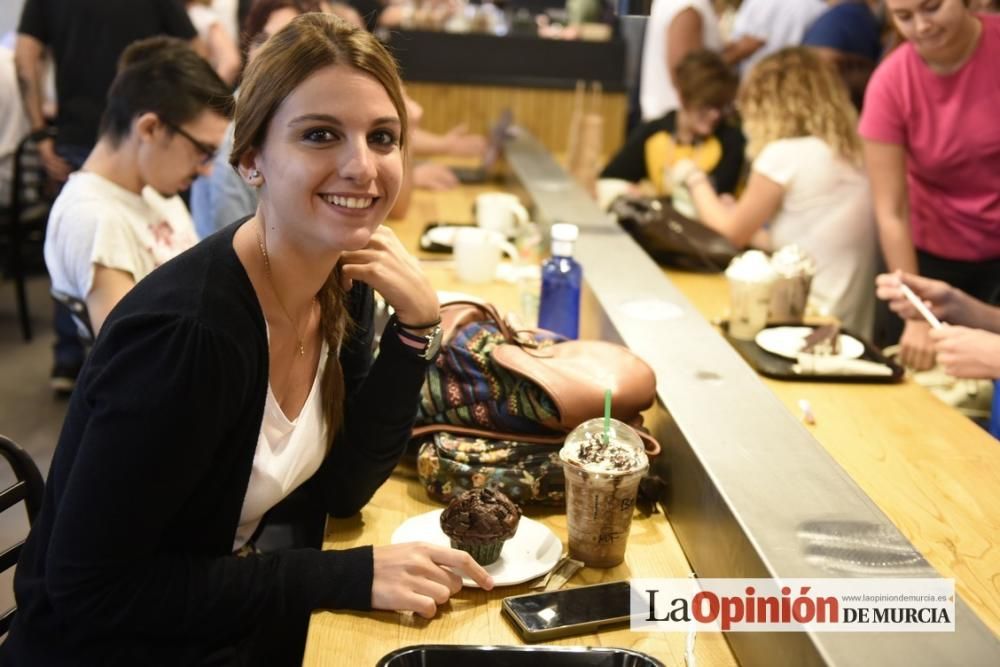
<point>120,216</point>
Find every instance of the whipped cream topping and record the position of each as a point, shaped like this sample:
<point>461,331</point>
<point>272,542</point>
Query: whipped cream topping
<point>751,266</point>
<point>594,455</point>
<point>791,261</point>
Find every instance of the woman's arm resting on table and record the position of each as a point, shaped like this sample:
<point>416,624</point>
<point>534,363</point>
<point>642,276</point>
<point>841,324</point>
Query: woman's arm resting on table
<point>760,202</point>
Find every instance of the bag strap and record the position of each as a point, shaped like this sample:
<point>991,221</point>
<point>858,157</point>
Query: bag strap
<point>652,446</point>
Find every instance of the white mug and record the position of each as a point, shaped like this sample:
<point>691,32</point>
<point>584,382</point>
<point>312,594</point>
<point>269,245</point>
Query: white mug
<point>477,253</point>
<point>500,212</point>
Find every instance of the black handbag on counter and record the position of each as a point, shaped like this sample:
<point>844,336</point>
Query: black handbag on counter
<point>670,238</point>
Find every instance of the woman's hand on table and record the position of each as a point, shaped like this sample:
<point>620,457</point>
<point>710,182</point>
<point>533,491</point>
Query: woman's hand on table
<point>460,142</point>
<point>434,177</point>
<point>418,577</point>
<point>967,353</point>
<point>386,266</point>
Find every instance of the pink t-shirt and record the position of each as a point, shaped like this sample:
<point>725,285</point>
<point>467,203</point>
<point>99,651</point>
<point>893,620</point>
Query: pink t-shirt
<point>950,127</point>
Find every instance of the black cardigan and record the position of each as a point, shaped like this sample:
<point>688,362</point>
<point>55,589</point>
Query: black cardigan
<point>129,561</point>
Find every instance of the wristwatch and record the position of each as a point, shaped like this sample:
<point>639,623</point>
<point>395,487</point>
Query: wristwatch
<point>431,340</point>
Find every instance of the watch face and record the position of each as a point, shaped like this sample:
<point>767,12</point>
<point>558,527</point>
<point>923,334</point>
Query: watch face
<point>433,344</point>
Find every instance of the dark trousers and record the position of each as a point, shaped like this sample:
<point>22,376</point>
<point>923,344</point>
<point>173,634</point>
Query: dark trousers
<point>978,279</point>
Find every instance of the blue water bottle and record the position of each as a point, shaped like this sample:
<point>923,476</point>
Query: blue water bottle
<point>562,277</point>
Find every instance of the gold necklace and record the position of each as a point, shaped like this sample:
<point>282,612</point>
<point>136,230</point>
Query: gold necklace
<point>270,281</point>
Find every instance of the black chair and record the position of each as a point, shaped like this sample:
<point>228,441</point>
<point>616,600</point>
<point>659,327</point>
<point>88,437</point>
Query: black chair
<point>81,316</point>
<point>29,489</point>
<point>22,225</point>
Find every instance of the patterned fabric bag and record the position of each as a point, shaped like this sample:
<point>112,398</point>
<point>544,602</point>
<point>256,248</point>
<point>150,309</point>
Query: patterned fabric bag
<point>499,402</point>
<point>527,473</point>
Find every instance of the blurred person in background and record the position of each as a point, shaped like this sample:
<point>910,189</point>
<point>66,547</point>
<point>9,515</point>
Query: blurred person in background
<point>14,123</point>
<point>762,27</point>
<point>222,197</point>
<point>932,149</point>
<point>700,130</point>
<point>807,185</point>
<point>119,216</point>
<point>848,35</point>
<point>219,44</point>
<point>675,28</point>
<point>84,39</point>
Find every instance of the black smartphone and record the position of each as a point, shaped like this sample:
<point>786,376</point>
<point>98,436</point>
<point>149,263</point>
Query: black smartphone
<point>572,611</point>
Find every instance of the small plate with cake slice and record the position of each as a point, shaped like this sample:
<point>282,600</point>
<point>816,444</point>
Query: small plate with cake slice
<point>824,340</point>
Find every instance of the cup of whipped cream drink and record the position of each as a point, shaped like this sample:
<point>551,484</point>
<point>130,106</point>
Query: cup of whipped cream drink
<point>790,291</point>
<point>602,480</point>
<point>751,279</point>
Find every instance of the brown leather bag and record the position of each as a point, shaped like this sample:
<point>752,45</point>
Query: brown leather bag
<point>495,382</point>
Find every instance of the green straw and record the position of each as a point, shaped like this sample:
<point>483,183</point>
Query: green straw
<point>607,416</point>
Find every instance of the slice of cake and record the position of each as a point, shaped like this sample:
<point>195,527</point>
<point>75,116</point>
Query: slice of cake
<point>824,340</point>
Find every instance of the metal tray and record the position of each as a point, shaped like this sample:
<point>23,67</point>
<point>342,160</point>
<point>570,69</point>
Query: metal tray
<point>440,655</point>
<point>780,368</point>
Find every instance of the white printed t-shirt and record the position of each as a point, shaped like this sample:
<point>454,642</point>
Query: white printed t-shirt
<point>827,211</point>
<point>94,221</point>
<point>778,23</point>
<point>657,95</point>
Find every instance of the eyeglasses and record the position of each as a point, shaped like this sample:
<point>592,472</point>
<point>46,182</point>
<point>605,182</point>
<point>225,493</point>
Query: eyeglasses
<point>207,152</point>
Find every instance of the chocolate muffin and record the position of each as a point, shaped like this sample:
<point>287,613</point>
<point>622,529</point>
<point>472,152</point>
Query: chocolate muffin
<point>479,522</point>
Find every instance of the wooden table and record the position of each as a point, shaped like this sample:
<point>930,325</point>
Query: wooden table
<point>473,616</point>
<point>933,472</point>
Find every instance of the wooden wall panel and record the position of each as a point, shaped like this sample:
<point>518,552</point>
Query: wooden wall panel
<point>545,112</point>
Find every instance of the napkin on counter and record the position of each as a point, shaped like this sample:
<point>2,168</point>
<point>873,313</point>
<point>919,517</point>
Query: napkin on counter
<point>813,364</point>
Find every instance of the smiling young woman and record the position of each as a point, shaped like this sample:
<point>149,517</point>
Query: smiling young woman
<point>932,150</point>
<point>237,381</point>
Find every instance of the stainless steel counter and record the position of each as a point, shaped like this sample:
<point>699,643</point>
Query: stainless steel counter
<point>749,486</point>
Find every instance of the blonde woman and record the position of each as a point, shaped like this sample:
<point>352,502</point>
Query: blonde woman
<point>806,185</point>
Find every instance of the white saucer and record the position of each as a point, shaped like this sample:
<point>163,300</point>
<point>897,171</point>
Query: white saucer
<point>443,235</point>
<point>533,551</point>
<point>789,341</point>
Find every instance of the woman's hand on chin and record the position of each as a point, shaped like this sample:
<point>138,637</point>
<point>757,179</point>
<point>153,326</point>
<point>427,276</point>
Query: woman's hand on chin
<point>386,266</point>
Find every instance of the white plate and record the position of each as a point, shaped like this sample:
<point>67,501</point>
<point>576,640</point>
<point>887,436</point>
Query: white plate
<point>443,235</point>
<point>789,341</point>
<point>533,551</point>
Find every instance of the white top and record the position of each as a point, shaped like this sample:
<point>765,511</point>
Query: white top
<point>778,23</point>
<point>827,211</point>
<point>288,453</point>
<point>228,13</point>
<point>14,123</point>
<point>203,18</point>
<point>94,221</point>
<point>657,94</point>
